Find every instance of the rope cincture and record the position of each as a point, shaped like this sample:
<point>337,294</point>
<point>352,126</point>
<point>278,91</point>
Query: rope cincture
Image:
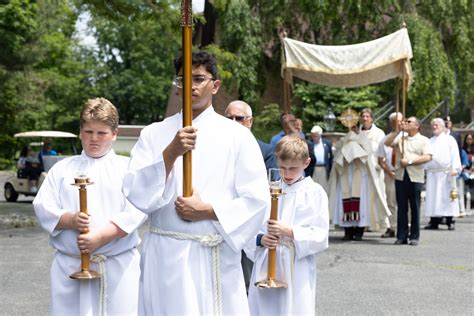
<point>100,260</point>
<point>208,240</point>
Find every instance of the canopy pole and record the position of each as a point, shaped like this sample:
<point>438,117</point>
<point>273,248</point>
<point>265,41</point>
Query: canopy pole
<point>404,92</point>
<point>286,96</point>
<point>187,31</point>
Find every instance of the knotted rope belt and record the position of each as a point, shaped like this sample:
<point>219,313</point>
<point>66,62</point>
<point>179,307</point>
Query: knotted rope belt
<point>208,240</point>
<point>100,260</point>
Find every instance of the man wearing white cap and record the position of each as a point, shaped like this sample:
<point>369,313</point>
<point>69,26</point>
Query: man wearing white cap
<point>324,157</point>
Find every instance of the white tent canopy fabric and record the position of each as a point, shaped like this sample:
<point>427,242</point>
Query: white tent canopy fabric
<point>349,65</point>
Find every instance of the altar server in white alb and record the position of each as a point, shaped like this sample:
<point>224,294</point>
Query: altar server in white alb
<point>191,256</point>
<point>441,173</point>
<point>112,239</point>
<point>299,234</point>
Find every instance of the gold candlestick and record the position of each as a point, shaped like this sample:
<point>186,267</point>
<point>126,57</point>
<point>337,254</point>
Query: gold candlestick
<point>274,179</point>
<point>85,273</point>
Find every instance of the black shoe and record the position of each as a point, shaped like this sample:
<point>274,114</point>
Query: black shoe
<point>451,226</point>
<point>414,242</point>
<point>400,242</point>
<point>347,238</point>
<point>389,233</point>
<point>431,226</point>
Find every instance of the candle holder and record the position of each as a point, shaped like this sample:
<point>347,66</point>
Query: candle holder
<point>82,181</point>
<point>275,182</point>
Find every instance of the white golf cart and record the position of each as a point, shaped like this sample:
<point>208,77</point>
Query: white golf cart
<point>19,184</point>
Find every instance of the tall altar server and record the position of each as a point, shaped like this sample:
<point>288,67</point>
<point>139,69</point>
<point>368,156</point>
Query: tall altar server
<point>191,257</point>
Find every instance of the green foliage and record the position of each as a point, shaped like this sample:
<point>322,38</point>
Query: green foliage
<point>135,55</point>
<point>315,101</point>
<point>267,123</point>
<point>241,36</point>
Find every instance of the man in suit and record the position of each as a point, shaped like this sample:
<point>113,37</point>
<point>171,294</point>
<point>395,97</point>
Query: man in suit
<point>241,112</point>
<point>324,156</point>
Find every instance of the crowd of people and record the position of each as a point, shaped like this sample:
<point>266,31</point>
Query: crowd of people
<point>204,253</point>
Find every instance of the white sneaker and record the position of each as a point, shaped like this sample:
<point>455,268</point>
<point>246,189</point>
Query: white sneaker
<point>33,189</point>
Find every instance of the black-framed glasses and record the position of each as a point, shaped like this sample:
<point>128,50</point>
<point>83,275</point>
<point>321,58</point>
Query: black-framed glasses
<point>238,118</point>
<point>197,80</point>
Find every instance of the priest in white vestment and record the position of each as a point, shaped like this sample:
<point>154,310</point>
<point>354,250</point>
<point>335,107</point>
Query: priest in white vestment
<point>112,239</point>
<point>191,256</point>
<point>374,135</point>
<point>441,173</point>
<point>353,189</point>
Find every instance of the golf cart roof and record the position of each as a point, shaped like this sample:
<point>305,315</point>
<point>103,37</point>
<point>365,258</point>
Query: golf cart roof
<point>46,134</point>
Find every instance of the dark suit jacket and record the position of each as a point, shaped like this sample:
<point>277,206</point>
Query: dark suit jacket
<point>267,153</point>
<point>328,155</point>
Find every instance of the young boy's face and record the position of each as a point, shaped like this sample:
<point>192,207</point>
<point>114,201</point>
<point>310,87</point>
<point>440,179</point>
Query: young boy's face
<point>97,138</point>
<point>292,170</point>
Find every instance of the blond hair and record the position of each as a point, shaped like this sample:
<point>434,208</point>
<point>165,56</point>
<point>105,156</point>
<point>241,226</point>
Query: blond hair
<point>292,148</point>
<point>101,110</point>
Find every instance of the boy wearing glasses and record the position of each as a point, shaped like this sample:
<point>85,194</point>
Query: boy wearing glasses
<point>191,257</point>
<point>299,234</point>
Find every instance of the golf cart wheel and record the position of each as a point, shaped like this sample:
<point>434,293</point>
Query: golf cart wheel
<point>10,193</point>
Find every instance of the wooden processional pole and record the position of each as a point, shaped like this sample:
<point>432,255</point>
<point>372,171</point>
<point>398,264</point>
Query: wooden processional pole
<point>187,32</point>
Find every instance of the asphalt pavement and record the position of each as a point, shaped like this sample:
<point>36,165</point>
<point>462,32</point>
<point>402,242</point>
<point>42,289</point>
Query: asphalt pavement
<point>370,277</point>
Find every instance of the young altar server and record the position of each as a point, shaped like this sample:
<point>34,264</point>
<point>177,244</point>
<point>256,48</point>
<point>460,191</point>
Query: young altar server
<point>112,239</point>
<point>299,234</point>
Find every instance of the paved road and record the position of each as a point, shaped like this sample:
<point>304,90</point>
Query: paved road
<point>372,277</point>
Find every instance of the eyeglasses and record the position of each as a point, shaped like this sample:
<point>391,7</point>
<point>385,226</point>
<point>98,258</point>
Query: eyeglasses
<point>238,118</point>
<point>198,81</point>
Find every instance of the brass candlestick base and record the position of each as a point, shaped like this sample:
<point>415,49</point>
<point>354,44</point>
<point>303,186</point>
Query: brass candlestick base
<point>85,275</point>
<point>270,283</point>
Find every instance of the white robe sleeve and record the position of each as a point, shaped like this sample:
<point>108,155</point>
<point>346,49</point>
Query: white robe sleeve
<point>47,204</point>
<point>129,219</point>
<point>242,217</point>
<point>145,184</point>
<point>312,237</point>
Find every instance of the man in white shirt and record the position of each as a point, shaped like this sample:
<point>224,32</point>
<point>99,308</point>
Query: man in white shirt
<point>386,159</point>
<point>324,157</point>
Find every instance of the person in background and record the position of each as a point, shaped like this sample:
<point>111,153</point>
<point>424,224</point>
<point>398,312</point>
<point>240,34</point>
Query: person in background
<point>386,160</point>
<point>375,135</point>
<point>449,131</point>
<point>29,166</point>
<point>409,176</point>
<point>241,112</point>
<point>441,173</point>
<point>289,126</point>
<point>351,183</point>
<point>323,156</point>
